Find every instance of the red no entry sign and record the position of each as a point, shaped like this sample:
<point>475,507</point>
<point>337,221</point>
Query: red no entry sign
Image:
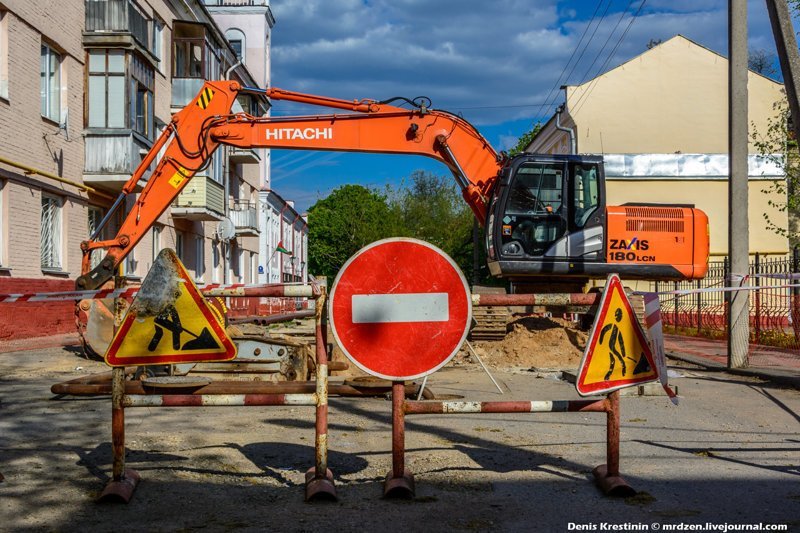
<point>400,309</point>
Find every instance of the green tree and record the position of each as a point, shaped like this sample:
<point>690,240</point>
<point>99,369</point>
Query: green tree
<point>431,209</point>
<point>525,139</point>
<point>339,225</point>
<point>778,145</point>
<point>763,62</point>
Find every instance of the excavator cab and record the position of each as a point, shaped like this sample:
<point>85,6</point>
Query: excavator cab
<point>547,216</point>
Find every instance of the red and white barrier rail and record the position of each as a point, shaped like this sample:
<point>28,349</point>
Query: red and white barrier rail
<point>211,289</point>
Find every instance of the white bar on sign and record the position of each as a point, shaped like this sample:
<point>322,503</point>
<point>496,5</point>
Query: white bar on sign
<point>409,307</point>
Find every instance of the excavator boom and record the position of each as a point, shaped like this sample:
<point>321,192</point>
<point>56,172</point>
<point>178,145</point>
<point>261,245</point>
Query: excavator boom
<point>206,123</point>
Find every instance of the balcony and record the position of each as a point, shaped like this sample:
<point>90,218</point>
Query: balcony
<point>243,155</point>
<point>245,218</point>
<point>184,90</point>
<point>111,156</point>
<point>201,199</point>
<point>115,23</point>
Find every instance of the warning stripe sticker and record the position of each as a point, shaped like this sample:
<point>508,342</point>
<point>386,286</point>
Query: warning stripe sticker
<point>205,98</point>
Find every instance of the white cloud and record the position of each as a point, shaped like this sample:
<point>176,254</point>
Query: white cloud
<point>471,53</point>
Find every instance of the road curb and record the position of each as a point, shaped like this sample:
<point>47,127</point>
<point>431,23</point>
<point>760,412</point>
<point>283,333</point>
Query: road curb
<point>781,376</point>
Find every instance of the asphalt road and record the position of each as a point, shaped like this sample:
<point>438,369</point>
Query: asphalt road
<point>729,454</point>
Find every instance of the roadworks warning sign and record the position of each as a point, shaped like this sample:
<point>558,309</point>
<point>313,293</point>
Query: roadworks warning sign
<point>169,322</point>
<point>617,354</point>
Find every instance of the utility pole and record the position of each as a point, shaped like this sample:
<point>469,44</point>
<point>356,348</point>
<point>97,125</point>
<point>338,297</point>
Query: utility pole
<point>738,231</point>
<point>789,56</point>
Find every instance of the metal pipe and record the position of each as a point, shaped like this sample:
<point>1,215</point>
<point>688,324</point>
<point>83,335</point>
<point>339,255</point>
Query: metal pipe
<point>48,175</point>
<point>555,299</point>
<point>398,429</point>
<point>118,423</point>
<point>291,291</point>
<point>108,216</point>
<point>321,426</point>
<point>451,407</point>
<point>572,142</point>
<point>216,400</point>
<point>612,435</point>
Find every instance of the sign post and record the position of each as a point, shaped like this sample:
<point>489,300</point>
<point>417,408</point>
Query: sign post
<point>400,309</point>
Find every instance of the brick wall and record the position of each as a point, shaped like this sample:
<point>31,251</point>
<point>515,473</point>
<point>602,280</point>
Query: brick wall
<point>23,320</point>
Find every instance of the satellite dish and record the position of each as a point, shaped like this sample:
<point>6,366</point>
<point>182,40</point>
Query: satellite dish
<point>225,230</point>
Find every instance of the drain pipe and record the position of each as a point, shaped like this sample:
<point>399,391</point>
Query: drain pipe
<point>572,143</point>
<point>226,183</point>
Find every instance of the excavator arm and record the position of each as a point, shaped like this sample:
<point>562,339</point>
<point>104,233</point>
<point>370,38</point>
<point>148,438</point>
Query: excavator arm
<point>369,126</point>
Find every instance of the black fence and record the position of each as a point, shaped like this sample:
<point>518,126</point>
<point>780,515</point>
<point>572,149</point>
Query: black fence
<point>774,307</point>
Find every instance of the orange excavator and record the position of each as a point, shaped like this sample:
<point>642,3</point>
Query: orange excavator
<point>545,216</point>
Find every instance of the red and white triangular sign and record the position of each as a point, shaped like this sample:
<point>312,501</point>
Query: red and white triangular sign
<point>169,322</point>
<point>617,354</point>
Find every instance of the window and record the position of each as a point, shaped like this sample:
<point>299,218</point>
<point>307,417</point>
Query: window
<point>253,267</point>
<point>179,245</point>
<point>199,258</point>
<point>2,224</point>
<point>188,48</point>
<point>193,55</point>
<point>3,55</point>
<point>236,39</point>
<point>50,233</point>
<point>215,263</point>
<point>141,97</point>
<point>130,263</point>
<point>106,100</point>
<point>157,46</point>
<point>95,217</point>
<point>50,83</point>
<point>156,233</point>
<point>585,194</point>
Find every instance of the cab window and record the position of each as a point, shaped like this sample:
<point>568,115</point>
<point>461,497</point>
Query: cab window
<point>585,193</point>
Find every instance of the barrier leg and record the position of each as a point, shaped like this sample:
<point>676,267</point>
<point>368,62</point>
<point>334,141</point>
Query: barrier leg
<point>319,479</point>
<point>399,482</point>
<point>607,476</point>
<point>123,481</point>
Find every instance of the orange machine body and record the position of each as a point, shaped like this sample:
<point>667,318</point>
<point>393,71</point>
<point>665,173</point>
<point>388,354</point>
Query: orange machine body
<point>658,235</point>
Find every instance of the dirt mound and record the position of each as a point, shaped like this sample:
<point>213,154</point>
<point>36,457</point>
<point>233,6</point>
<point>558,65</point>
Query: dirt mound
<point>536,342</point>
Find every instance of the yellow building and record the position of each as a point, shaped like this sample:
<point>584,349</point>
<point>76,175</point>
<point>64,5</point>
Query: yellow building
<point>661,122</point>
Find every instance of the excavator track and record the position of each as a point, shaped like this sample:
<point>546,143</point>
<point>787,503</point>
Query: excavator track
<point>491,323</point>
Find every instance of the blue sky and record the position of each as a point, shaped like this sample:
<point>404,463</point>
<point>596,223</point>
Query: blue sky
<point>498,63</point>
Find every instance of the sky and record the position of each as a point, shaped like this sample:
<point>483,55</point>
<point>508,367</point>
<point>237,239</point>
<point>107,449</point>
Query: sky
<point>497,63</point>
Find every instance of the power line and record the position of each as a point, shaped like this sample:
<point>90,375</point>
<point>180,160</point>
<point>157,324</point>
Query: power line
<point>557,84</point>
<point>608,39</point>
<point>592,85</point>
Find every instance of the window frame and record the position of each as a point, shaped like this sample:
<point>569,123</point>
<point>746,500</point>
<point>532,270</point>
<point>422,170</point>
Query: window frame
<point>155,235</point>
<point>199,258</point>
<point>56,263</point>
<point>3,225</point>
<point>106,74</point>
<point>3,55</point>
<point>46,97</point>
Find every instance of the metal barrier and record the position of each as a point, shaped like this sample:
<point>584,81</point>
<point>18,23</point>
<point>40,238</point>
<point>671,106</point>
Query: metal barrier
<point>400,481</point>
<point>319,479</point>
<point>774,307</point>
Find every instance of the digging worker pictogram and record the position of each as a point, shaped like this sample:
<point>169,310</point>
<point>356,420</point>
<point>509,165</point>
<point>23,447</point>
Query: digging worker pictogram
<point>614,339</point>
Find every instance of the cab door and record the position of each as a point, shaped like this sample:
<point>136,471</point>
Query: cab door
<point>586,220</point>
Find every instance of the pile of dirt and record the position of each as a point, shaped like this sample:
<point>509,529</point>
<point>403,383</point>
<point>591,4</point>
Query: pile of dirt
<point>536,342</point>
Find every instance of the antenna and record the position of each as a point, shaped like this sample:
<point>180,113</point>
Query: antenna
<point>226,230</point>
<point>65,125</point>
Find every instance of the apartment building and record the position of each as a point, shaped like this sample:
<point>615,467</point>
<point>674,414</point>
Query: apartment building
<point>84,91</point>
<point>247,25</point>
